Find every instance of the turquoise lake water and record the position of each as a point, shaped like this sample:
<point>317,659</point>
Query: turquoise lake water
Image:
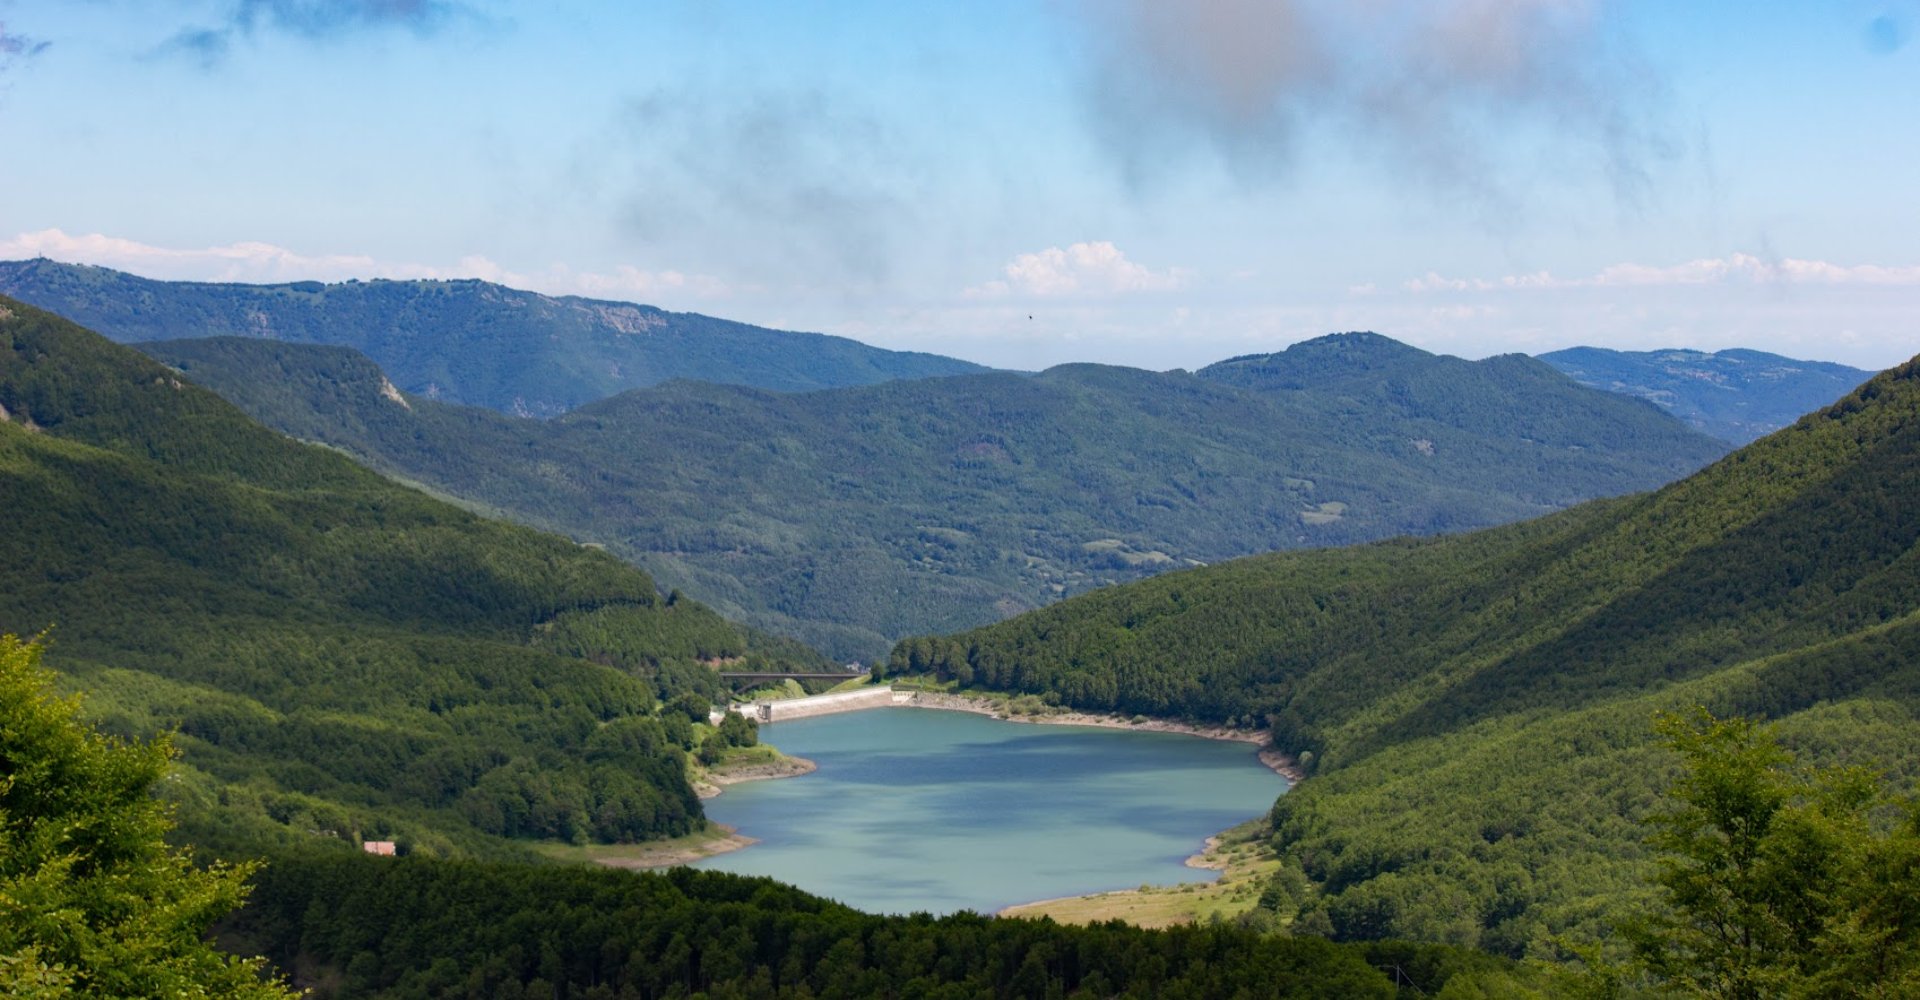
<point>926,810</point>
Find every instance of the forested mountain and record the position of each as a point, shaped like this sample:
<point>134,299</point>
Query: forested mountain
<point>854,516</point>
<point>470,341</point>
<point>1476,710</point>
<point>1734,395</point>
<point>1509,397</point>
<point>342,656</point>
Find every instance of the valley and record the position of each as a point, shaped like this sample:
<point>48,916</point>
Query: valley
<point>1468,716</point>
<point>1474,713</point>
<point>1123,500</point>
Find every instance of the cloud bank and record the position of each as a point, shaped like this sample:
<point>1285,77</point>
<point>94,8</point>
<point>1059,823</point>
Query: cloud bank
<point>1858,313</point>
<point>1434,90</point>
<point>1081,270</point>
<point>267,263</point>
<point>1733,269</point>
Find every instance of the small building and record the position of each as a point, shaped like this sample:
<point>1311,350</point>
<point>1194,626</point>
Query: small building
<point>381,847</point>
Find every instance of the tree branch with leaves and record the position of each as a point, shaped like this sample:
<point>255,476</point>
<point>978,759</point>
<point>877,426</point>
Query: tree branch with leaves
<point>93,903</point>
<point>1780,880</point>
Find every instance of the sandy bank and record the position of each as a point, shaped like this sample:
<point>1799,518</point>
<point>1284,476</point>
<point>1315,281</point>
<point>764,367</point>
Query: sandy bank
<point>715,780</point>
<point>1280,763</point>
<point>785,767</point>
<point>1241,856</point>
<point>718,838</point>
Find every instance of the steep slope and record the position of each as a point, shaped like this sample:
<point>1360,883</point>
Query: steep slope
<point>470,341</point>
<point>1734,395</point>
<point>342,656</point>
<point>851,517</point>
<point>1476,710</point>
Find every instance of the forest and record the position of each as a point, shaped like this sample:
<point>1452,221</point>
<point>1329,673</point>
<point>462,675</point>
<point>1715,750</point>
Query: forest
<point>1475,712</point>
<point>852,517</point>
<point>1774,880</point>
<point>339,655</point>
<point>341,658</point>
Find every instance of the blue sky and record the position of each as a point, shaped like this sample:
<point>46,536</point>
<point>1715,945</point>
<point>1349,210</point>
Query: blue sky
<point>1019,183</point>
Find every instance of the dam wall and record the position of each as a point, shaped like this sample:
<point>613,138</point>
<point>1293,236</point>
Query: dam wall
<point>788,709</point>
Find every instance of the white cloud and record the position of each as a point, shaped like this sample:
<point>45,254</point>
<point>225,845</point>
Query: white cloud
<point>1735,268</point>
<point>1081,270</point>
<point>265,262</point>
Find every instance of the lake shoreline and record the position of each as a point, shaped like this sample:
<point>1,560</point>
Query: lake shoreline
<point>1283,764</point>
<point>717,838</point>
<point>682,851</point>
<point>1276,760</point>
<point>1279,762</point>
<point>716,781</point>
<point>1238,856</point>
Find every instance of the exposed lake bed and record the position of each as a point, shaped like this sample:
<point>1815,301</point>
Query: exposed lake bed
<point>913,809</point>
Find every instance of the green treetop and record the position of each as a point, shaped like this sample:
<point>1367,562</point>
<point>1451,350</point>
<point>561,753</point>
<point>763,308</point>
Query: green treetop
<point>92,901</point>
<point>1780,881</point>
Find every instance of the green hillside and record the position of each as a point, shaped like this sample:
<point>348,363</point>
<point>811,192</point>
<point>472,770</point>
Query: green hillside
<point>1734,395</point>
<point>470,341</point>
<point>341,655</point>
<point>855,516</point>
<point>1448,400</point>
<point>1475,711</point>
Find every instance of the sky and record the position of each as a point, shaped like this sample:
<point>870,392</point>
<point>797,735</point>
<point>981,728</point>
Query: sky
<point>1015,182</point>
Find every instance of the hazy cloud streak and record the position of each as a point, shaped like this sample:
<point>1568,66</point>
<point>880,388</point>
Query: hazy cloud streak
<point>322,18</point>
<point>1739,267</point>
<point>17,47</point>
<point>1436,90</point>
<point>807,184</point>
<point>310,19</point>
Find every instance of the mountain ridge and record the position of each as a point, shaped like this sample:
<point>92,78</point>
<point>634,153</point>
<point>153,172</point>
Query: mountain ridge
<point>1738,395</point>
<point>970,496</point>
<point>467,340</point>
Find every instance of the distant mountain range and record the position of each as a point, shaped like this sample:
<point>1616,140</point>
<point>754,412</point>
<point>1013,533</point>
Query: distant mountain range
<point>528,354</point>
<point>851,517</point>
<point>471,342</point>
<point>1734,395</point>
<point>1476,711</point>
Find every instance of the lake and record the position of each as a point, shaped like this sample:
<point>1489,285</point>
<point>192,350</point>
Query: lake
<point>920,809</point>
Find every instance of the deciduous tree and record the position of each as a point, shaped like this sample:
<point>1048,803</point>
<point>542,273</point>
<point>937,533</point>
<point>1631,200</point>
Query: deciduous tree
<point>1777,879</point>
<point>93,902</point>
